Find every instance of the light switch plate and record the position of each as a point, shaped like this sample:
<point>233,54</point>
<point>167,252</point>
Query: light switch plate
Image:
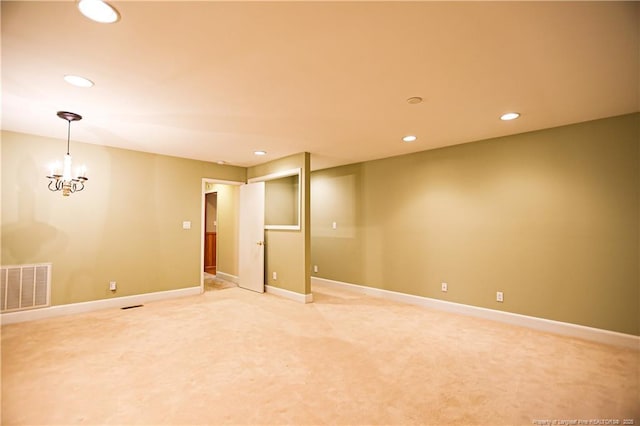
<point>186,224</point>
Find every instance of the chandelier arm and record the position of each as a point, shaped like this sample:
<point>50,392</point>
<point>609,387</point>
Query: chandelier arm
<point>55,184</point>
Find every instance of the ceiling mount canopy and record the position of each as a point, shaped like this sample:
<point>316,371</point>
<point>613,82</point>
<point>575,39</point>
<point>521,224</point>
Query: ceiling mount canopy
<point>69,116</point>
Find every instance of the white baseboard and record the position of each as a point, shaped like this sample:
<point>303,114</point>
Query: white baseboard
<point>94,305</point>
<point>541,324</point>
<point>292,295</point>
<point>227,277</point>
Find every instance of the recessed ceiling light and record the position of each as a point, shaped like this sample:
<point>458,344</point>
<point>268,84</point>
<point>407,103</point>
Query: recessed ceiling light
<point>78,81</point>
<point>509,116</point>
<point>260,152</point>
<point>414,100</point>
<point>221,162</point>
<point>99,11</point>
<point>409,138</point>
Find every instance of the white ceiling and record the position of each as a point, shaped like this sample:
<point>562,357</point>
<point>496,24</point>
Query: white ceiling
<point>218,80</point>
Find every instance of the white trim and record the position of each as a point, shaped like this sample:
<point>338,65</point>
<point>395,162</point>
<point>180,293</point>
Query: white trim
<point>276,175</point>
<point>541,324</point>
<point>282,227</point>
<point>95,305</point>
<point>227,277</point>
<point>292,295</point>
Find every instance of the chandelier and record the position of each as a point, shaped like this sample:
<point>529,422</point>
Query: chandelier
<point>65,182</point>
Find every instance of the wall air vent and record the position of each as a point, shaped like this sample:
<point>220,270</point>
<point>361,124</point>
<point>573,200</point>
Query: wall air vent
<point>25,287</point>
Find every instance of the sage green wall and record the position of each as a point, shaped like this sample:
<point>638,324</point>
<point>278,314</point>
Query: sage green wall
<point>227,234</point>
<point>281,201</point>
<point>288,252</point>
<point>125,226</point>
<point>551,218</point>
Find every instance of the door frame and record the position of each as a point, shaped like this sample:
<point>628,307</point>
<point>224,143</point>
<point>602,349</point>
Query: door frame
<point>203,218</point>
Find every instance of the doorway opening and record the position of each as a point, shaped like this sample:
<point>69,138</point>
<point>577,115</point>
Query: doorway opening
<point>210,233</point>
<point>218,234</point>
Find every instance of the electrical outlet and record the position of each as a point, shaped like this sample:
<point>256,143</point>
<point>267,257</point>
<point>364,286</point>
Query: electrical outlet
<point>444,287</point>
<point>112,285</point>
<point>334,225</point>
<point>499,296</point>
<point>274,275</point>
<point>315,268</point>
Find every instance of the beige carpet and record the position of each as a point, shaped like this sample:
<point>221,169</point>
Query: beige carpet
<point>213,283</point>
<point>237,357</point>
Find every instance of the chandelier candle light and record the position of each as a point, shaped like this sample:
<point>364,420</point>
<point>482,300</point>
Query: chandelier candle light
<point>64,182</point>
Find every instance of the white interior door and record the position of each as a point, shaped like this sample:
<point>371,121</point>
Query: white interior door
<point>251,261</point>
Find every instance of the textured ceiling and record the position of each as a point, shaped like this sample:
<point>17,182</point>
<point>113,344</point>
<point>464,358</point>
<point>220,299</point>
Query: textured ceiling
<point>218,80</point>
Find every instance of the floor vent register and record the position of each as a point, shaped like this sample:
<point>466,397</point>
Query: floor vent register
<point>25,287</point>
